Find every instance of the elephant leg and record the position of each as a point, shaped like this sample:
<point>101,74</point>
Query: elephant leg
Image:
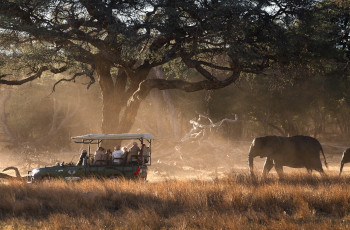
<point>341,168</point>
<point>321,172</point>
<point>279,170</point>
<point>267,166</point>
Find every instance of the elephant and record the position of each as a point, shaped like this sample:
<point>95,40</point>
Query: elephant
<point>296,152</point>
<point>345,159</point>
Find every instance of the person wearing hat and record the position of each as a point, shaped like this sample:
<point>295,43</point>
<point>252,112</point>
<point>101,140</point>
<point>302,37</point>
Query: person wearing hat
<point>133,153</point>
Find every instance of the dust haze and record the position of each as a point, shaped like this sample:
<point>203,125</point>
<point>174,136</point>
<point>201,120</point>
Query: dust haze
<point>36,127</point>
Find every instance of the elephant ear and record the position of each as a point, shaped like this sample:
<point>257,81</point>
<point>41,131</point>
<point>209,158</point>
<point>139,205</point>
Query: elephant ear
<point>258,142</point>
<point>266,145</point>
<point>263,142</point>
<point>276,143</point>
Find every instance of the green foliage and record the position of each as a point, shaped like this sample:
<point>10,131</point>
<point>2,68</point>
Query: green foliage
<point>252,34</point>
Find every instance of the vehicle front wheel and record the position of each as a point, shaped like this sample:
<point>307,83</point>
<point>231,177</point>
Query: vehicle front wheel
<point>44,178</point>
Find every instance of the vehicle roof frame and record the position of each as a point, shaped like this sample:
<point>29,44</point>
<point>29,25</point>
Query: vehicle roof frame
<point>122,136</point>
<point>98,138</point>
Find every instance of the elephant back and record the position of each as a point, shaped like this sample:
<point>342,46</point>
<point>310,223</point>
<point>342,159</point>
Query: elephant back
<point>310,147</point>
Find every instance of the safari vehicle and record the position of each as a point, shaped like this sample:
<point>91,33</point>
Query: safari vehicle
<point>70,171</point>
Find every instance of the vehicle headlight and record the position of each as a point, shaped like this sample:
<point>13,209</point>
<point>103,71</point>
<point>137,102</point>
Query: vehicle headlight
<point>35,171</point>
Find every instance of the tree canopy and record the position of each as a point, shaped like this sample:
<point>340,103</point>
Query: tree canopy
<point>120,42</point>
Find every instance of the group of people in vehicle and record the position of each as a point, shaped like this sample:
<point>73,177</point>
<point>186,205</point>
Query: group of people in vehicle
<point>120,156</point>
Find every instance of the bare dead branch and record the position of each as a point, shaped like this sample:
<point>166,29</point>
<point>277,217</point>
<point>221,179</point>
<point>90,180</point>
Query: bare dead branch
<point>5,176</point>
<point>199,128</point>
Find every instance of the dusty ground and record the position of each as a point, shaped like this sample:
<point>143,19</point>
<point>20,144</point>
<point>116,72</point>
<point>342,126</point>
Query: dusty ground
<point>223,159</point>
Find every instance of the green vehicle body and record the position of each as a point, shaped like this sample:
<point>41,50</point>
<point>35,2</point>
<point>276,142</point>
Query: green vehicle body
<point>71,171</point>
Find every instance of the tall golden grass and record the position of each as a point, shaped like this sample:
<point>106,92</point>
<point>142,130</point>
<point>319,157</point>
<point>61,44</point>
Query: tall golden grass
<point>298,201</point>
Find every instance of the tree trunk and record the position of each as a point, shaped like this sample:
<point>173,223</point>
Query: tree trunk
<point>173,114</point>
<point>6,134</point>
<point>110,110</point>
<point>119,107</point>
<point>160,121</point>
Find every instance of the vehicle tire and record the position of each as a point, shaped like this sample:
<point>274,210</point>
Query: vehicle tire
<point>45,178</point>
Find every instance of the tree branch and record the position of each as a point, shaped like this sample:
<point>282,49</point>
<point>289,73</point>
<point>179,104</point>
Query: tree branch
<point>87,73</point>
<point>25,80</point>
<point>195,64</point>
<point>34,76</point>
<point>147,85</point>
<point>214,66</point>
<point>4,75</point>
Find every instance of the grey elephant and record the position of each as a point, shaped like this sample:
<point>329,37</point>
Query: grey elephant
<point>295,152</point>
<point>345,159</point>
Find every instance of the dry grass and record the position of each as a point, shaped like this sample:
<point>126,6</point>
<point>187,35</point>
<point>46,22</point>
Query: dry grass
<point>236,202</point>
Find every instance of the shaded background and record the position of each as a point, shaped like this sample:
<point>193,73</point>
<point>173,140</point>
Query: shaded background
<point>36,124</point>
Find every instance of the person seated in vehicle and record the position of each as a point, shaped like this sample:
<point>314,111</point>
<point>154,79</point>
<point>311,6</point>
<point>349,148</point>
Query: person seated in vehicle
<point>108,157</point>
<point>133,154</point>
<point>82,158</point>
<point>99,156</point>
<point>146,153</point>
<point>91,160</point>
<point>117,155</point>
<point>125,154</point>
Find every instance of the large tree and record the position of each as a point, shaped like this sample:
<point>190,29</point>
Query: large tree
<point>118,42</point>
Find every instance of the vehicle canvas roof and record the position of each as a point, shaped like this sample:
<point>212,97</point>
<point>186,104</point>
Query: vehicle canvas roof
<point>122,136</point>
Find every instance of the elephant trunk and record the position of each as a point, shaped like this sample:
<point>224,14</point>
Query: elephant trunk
<point>324,157</point>
<point>250,162</point>
<point>341,167</point>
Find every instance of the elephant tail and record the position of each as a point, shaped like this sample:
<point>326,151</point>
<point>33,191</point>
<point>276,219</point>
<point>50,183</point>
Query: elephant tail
<point>324,157</point>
